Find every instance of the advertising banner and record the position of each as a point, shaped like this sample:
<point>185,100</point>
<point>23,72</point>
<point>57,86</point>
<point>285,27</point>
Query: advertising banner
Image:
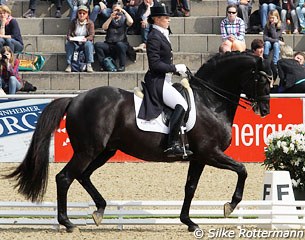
<point>249,132</point>
<point>17,123</point>
<point>63,150</point>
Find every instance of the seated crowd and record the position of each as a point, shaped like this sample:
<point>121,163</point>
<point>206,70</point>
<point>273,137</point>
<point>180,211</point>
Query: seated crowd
<point>117,21</point>
<point>291,72</point>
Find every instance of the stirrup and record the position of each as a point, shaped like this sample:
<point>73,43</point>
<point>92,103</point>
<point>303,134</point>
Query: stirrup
<point>178,151</point>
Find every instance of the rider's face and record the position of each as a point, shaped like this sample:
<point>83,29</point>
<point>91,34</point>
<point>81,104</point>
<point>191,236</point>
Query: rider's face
<point>162,21</point>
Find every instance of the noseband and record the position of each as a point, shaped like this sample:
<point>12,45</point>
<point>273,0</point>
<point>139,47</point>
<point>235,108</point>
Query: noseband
<point>220,92</point>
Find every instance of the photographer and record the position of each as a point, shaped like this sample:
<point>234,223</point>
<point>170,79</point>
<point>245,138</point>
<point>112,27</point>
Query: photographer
<point>10,80</point>
<point>116,43</point>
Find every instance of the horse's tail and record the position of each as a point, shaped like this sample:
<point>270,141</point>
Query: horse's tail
<point>32,173</point>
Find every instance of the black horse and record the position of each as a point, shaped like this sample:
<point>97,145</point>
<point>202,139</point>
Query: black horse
<point>102,120</point>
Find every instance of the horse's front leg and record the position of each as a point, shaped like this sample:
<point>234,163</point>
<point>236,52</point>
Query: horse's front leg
<point>242,174</point>
<point>193,176</point>
<point>225,162</point>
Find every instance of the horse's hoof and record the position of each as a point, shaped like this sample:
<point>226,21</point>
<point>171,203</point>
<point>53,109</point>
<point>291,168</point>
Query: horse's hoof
<point>71,229</point>
<point>192,228</point>
<point>227,209</point>
<point>97,217</point>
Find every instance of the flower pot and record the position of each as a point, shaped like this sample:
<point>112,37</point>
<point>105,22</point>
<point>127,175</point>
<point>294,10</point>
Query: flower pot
<point>299,194</point>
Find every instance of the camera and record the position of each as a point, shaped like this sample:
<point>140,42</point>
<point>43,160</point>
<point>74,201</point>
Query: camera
<point>4,56</point>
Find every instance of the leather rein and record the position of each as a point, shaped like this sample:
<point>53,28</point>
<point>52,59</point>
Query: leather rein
<point>220,92</point>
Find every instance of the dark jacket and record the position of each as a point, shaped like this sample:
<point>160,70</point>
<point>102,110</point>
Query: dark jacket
<point>273,33</point>
<point>288,5</point>
<point>117,30</point>
<point>13,29</point>
<point>290,71</point>
<point>108,3</point>
<point>275,2</point>
<point>160,62</point>
<point>139,16</point>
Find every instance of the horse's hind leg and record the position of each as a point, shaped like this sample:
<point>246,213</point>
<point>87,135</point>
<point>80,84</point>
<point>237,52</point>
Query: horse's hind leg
<point>64,179</point>
<point>193,176</point>
<point>85,181</point>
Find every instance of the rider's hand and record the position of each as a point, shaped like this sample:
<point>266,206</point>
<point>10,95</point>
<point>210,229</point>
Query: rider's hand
<point>181,69</point>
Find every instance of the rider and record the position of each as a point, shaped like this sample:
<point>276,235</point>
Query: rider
<point>158,89</point>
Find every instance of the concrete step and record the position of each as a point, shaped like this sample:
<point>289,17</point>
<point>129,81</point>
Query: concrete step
<point>61,82</point>
<point>47,9</point>
<point>179,25</point>
<point>189,43</point>
<point>57,61</point>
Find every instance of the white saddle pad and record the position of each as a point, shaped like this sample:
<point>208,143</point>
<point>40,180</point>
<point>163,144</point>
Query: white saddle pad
<point>157,124</point>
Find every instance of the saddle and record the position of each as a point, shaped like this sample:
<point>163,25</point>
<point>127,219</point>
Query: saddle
<point>167,111</point>
<point>182,88</point>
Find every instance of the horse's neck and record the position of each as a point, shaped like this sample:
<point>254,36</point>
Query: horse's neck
<point>222,106</point>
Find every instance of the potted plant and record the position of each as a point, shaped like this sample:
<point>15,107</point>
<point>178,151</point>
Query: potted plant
<point>286,151</point>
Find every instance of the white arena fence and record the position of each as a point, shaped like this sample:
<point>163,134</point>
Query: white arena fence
<point>120,213</point>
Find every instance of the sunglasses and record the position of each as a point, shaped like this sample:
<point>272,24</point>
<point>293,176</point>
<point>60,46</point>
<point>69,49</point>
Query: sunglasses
<point>231,12</point>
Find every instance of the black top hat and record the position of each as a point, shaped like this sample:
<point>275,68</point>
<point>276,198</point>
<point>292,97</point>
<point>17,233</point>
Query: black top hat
<point>159,10</point>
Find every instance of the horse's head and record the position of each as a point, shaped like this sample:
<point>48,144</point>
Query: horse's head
<point>257,89</point>
<point>230,74</point>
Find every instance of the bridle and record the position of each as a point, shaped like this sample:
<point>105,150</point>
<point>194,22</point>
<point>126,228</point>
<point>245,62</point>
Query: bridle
<point>252,102</point>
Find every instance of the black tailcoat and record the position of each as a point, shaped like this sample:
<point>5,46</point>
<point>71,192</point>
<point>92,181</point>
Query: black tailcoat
<point>160,62</point>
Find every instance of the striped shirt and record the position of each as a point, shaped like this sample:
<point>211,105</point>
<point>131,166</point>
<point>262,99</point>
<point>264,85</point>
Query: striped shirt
<point>236,28</point>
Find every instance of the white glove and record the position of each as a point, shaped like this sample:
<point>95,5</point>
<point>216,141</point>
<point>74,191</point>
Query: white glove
<point>181,69</point>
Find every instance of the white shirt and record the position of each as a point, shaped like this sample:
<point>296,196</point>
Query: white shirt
<point>164,31</point>
<point>81,29</point>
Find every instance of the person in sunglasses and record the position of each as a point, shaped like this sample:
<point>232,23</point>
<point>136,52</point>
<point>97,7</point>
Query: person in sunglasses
<point>232,31</point>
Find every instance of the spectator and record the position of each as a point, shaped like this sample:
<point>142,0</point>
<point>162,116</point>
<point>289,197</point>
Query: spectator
<point>82,26</point>
<point>142,23</point>
<point>257,48</point>
<point>116,44</point>
<point>300,12</point>
<point>300,57</point>
<point>288,11</point>
<point>265,7</point>
<point>30,13</point>
<point>102,8</point>
<point>292,74</point>
<point>74,4</point>
<point>9,30</point>
<point>131,6</point>
<point>180,8</point>
<point>10,80</point>
<point>244,10</point>
<point>273,35</point>
<point>232,31</point>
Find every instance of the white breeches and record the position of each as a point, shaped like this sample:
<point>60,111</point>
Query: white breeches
<point>171,97</point>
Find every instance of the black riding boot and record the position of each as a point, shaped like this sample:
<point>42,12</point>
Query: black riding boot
<point>174,147</point>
